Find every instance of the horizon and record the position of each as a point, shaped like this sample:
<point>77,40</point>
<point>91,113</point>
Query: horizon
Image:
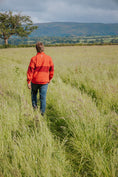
<point>75,22</point>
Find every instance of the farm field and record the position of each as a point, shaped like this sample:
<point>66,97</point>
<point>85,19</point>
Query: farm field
<point>78,137</point>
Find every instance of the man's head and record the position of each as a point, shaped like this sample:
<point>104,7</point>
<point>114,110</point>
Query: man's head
<point>39,47</point>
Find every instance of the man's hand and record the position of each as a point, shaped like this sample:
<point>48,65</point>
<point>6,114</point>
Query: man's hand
<point>29,85</point>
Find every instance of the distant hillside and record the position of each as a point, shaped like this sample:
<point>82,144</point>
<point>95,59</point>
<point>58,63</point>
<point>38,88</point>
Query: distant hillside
<point>74,29</point>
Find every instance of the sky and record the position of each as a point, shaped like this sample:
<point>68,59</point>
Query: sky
<point>82,11</point>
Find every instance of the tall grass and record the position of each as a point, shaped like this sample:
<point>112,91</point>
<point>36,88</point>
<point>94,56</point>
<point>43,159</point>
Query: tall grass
<point>78,136</point>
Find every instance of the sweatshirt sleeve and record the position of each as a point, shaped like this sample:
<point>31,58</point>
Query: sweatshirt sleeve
<point>30,70</point>
<point>51,70</point>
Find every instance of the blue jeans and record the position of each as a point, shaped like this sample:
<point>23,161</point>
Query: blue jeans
<point>42,91</point>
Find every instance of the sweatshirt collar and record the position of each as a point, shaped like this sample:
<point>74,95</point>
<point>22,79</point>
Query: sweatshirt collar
<point>40,53</point>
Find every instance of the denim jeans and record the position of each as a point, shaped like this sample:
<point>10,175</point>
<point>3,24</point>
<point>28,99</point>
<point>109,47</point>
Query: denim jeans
<point>42,92</point>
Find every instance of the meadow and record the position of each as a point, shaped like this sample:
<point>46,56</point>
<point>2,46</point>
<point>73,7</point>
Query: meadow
<point>78,137</point>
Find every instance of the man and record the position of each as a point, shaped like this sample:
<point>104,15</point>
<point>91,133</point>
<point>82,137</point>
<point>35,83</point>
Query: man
<point>39,74</point>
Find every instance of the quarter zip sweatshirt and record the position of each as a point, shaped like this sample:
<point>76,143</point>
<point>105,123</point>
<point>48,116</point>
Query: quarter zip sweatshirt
<point>41,69</point>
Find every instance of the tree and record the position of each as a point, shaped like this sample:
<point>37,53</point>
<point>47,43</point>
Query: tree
<point>15,25</point>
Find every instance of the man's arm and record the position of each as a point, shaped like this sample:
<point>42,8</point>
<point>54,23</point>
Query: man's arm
<point>30,72</point>
<point>51,70</point>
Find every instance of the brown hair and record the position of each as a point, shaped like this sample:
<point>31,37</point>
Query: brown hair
<point>39,47</point>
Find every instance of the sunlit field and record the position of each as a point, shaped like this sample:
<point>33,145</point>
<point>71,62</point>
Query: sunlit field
<point>78,136</point>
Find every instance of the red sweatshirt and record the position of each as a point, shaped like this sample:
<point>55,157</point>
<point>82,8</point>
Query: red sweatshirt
<point>41,69</point>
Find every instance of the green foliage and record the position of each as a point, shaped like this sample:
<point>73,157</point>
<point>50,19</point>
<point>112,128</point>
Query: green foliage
<point>62,41</point>
<point>78,135</point>
<point>14,25</point>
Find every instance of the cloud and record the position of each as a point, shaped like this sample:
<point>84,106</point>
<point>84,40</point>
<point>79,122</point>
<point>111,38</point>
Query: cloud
<point>97,4</point>
<point>66,10</point>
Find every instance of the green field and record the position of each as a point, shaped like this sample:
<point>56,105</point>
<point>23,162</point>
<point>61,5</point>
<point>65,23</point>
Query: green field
<point>61,41</point>
<point>79,135</point>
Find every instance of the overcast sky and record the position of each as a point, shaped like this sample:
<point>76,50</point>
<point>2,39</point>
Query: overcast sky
<point>98,11</point>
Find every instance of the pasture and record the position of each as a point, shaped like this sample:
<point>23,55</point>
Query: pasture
<point>78,137</point>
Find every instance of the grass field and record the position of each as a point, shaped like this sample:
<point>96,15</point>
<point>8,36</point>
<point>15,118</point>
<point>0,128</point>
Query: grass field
<point>79,135</point>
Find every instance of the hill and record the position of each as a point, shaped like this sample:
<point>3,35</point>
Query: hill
<point>62,29</point>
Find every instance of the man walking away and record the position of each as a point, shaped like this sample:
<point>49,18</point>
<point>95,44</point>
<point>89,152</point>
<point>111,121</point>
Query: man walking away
<point>39,74</point>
